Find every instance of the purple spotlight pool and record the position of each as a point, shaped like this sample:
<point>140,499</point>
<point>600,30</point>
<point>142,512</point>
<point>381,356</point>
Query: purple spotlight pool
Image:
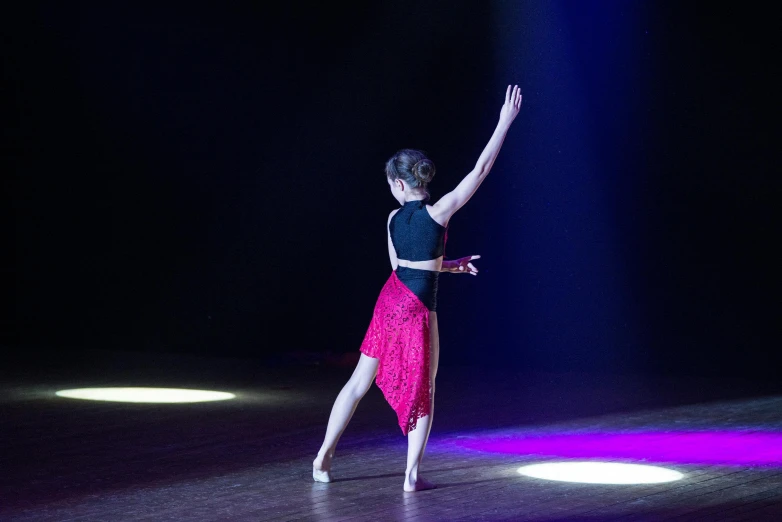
<point>730,448</point>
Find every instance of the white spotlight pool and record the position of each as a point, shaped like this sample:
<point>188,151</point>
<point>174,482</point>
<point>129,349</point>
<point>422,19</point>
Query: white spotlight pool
<point>600,473</point>
<point>148,395</point>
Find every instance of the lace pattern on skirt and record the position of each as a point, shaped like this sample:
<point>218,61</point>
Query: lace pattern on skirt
<point>398,336</point>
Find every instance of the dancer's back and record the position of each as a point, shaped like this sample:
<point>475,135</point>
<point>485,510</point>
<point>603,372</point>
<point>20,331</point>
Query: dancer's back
<point>415,234</point>
<point>419,243</point>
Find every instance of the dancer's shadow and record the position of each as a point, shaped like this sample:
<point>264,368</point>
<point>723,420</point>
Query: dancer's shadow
<point>445,470</point>
<point>392,475</point>
<point>442,485</point>
<point>369,477</point>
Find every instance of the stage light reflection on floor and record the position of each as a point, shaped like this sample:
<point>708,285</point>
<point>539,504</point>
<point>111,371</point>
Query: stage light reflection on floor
<point>146,395</point>
<point>600,473</point>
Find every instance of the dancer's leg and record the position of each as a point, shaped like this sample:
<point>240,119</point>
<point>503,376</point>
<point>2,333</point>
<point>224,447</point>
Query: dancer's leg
<point>434,361</point>
<point>341,412</point>
<point>417,438</point>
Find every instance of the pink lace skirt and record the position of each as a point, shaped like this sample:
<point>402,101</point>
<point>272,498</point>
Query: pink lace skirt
<point>398,336</point>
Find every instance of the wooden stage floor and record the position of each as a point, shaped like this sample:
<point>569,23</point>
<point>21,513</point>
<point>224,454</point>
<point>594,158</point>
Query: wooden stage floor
<point>250,458</point>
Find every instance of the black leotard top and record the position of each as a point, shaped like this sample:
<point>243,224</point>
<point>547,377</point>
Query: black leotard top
<point>415,235</point>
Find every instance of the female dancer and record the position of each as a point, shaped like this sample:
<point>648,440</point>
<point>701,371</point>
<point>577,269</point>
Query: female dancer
<point>402,345</point>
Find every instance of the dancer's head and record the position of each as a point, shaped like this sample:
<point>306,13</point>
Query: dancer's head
<point>408,173</point>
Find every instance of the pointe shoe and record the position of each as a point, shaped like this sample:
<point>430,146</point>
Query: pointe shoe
<point>320,475</point>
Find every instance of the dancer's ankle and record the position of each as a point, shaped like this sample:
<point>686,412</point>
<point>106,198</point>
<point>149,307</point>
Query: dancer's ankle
<point>327,454</point>
<point>323,459</point>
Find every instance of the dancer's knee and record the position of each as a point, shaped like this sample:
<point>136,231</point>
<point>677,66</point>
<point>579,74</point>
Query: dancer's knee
<point>362,377</point>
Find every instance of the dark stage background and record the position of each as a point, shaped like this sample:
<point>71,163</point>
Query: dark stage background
<point>209,180</point>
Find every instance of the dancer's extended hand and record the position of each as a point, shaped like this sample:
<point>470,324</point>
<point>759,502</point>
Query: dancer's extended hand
<point>463,265</point>
<point>512,105</point>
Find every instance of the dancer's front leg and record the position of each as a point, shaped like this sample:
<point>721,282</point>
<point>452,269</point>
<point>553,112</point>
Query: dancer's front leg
<point>417,438</point>
<point>341,413</point>
<point>434,362</point>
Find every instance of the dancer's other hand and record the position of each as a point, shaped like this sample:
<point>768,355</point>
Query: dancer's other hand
<point>512,105</point>
<point>464,266</point>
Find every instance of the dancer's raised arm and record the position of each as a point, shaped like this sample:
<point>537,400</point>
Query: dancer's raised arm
<point>454,200</point>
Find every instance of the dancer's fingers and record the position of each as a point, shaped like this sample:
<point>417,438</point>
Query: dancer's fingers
<point>474,257</point>
<point>507,95</point>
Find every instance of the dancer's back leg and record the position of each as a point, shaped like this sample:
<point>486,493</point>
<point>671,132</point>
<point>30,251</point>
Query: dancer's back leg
<point>341,412</point>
